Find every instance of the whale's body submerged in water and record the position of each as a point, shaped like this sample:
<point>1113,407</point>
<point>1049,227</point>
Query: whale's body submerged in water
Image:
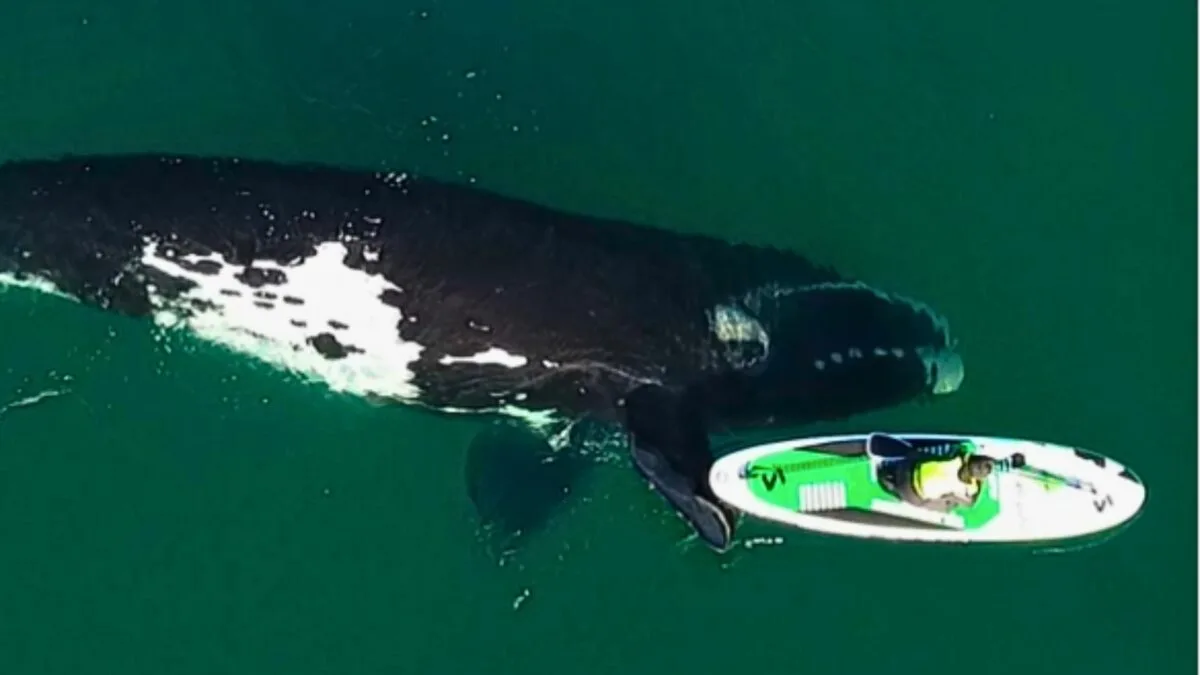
<point>458,299</point>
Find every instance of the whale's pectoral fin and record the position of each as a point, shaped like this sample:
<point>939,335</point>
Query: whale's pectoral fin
<point>669,443</point>
<point>516,481</point>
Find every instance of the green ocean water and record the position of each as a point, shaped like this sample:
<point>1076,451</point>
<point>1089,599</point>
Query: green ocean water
<point>1026,168</point>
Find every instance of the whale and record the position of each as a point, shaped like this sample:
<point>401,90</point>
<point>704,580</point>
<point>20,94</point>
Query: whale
<point>456,299</point>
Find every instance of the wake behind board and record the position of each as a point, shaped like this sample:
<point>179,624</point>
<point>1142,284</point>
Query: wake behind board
<point>831,485</point>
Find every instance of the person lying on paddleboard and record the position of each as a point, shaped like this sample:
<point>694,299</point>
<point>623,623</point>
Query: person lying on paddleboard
<point>939,478</point>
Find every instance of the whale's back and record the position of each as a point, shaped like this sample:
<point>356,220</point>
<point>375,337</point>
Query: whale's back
<point>377,282</point>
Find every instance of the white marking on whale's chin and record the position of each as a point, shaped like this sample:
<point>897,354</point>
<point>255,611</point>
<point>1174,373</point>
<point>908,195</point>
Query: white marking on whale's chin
<point>33,283</point>
<point>277,322</point>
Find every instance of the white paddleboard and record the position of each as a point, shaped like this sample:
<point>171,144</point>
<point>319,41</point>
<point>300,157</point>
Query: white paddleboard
<point>830,484</point>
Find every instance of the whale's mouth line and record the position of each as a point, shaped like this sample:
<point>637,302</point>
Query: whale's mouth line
<point>755,299</point>
<point>833,324</point>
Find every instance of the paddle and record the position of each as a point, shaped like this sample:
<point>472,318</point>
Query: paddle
<point>1065,480</point>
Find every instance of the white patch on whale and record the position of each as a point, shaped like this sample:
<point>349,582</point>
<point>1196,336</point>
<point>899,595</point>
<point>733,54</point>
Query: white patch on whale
<point>329,291</point>
<point>493,355</point>
<point>379,361</point>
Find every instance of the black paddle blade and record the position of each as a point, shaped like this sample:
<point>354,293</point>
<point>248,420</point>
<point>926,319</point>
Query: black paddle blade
<point>669,444</point>
<point>516,482</point>
<point>885,446</point>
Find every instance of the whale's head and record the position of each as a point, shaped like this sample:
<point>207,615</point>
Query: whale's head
<point>804,354</point>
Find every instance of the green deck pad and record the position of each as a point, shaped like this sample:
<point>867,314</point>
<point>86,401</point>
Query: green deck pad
<point>777,478</point>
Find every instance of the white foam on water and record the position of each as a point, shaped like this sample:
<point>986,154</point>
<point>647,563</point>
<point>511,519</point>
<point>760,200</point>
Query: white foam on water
<point>540,421</point>
<point>330,291</point>
<point>33,283</point>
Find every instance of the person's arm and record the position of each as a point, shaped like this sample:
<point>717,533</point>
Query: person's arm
<point>953,501</point>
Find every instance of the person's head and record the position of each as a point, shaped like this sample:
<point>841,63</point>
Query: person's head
<point>977,468</point>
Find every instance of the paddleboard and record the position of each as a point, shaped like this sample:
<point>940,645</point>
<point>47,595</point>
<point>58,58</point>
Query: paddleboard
<point>831,485</point>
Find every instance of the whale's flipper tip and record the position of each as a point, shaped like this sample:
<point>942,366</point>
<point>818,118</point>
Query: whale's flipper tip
<point>516,482</point>
<point>670,448</point>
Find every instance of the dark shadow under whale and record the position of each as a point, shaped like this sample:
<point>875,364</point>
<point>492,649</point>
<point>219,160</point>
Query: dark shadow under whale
<point>462,300</point>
